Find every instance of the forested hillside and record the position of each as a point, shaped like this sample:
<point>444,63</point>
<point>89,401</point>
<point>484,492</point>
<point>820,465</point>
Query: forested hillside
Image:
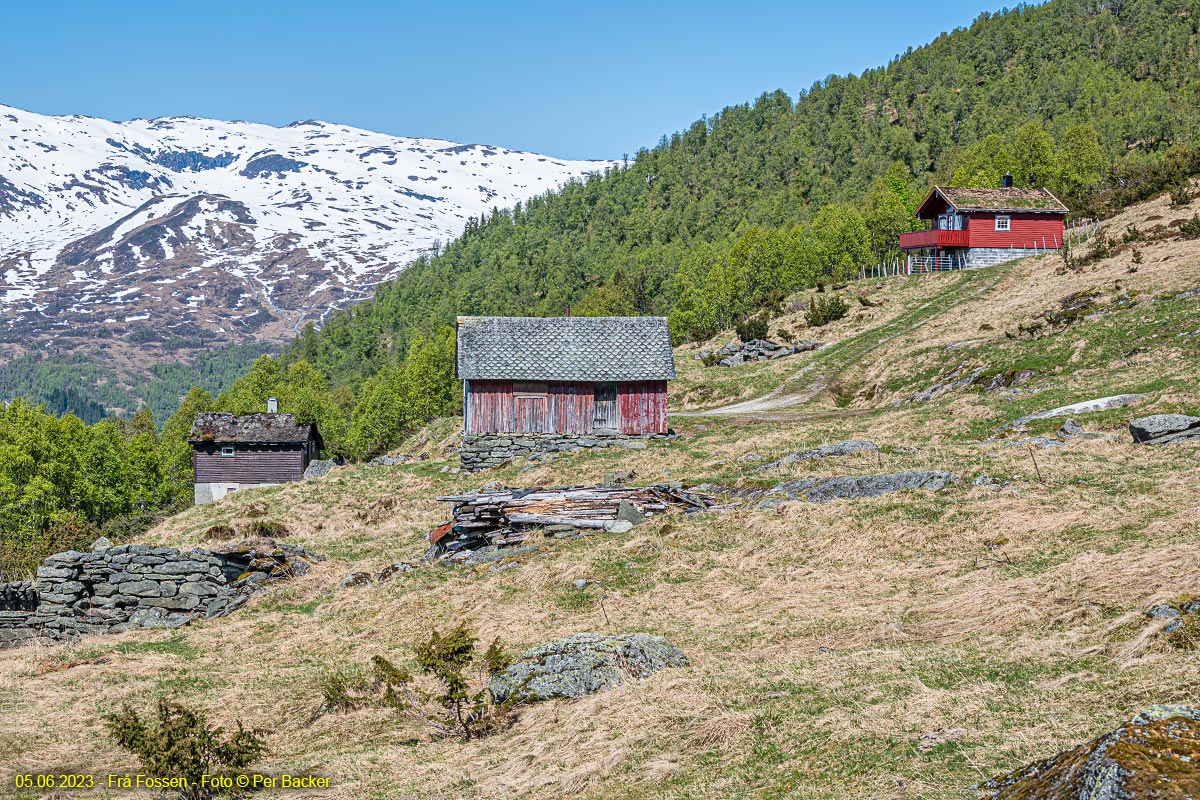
<point>667,222</point>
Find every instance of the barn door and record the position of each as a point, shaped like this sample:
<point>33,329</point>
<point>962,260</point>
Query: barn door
<point>531,407</point>
<point>604,407</point>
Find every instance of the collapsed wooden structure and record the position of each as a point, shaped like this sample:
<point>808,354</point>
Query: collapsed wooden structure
<point>502,517</point>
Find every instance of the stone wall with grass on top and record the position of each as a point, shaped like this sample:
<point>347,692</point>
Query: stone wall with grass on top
<point>113,589</point>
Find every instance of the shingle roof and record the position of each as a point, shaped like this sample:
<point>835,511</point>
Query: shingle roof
<point>251,428</point>
<point>1011,199</point>
<point>564,348</point>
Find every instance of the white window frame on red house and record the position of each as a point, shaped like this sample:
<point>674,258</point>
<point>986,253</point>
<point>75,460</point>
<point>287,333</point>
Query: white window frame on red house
<point>1003,222</point>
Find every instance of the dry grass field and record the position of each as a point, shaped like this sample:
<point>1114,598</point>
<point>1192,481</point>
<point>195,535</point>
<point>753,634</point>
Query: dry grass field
<point>826,640</point>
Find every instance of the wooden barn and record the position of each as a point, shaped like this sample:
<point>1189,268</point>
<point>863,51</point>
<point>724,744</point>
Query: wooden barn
<point>980,227</point>
<point>239,452</point>
<point>565,375</point>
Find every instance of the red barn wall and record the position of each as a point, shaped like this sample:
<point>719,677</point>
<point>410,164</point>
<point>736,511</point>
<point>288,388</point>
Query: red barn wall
<point>1025,230</point>
<point>488,406</point>
<point>491,407</point>
<point>643,407</point>
<point>259,463</point>
<point>570,407</point>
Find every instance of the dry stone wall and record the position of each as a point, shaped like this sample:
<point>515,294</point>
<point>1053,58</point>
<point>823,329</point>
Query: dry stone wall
<point>114,589</point>
<point>484,450</point>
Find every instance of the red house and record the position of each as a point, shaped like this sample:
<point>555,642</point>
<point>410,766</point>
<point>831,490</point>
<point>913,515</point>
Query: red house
<point>565,375</point>
<point>972,228</point>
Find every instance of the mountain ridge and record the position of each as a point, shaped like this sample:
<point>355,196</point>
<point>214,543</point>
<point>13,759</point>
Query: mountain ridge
<point>192,230</point>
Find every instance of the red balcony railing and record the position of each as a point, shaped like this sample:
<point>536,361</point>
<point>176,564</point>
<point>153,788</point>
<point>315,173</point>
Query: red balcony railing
<point>929,239</point>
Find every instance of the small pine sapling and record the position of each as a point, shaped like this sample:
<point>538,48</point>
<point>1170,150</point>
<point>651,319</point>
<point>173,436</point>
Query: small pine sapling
<point>175,741</point>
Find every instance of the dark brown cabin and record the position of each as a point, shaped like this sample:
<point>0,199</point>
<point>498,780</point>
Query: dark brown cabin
<point>569,375</point>
<point>239,452</point>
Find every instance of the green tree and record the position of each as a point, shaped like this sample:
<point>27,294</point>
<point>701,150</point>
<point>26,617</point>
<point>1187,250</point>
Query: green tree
<point>174,451</point>
<point>1081,162</point>
<point>1033,156</point>
<point>841,240</point>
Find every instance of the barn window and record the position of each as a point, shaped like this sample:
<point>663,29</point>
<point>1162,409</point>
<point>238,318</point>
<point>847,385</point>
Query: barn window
<point>1003,223</point>
<point>529,389</point>
<point>227,451</point>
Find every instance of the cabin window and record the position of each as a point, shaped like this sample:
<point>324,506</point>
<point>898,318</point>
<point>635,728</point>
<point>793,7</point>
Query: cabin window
<point>529,389</point>
<point>227,451</point>
<point>951,222</point>
<point>1003,223</point>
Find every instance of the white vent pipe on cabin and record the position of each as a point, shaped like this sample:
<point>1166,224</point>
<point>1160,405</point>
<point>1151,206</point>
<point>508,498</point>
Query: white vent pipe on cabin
<point>272,405</point>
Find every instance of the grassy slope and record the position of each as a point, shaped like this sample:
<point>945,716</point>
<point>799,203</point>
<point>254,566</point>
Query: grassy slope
<point>825,639</point>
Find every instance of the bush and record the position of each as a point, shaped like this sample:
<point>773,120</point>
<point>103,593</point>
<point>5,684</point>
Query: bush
<point>219,533</point>
<point>1187,635</point>
<point>266,528</point>
<point>1191,228</point>
<point>178,742</point>
<point>825,310</point>
<point>461,707</point>
<point>754,327</point>
<point>128,527</point>
<point>1181,195</point>
<point>20,557</point>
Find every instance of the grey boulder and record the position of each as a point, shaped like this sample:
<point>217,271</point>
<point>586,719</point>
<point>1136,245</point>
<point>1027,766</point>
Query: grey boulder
<point>1164,428</point>
<point>583,664</point>
<point>835,450</point>
<point>846,487</point>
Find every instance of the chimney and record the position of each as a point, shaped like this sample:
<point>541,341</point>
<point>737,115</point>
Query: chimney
<point>1007,180</point>
<point>272,405</point>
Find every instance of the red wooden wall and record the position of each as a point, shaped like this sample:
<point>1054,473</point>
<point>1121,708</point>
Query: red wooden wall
<point>491,407</point>
<point>643,406</point>
<point>1025,230</point>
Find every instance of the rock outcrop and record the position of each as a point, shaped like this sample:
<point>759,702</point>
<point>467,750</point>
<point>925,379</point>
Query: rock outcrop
<point>1085,407</point>
<point>1165,428</point>
<point>835,450</point>
<point>1154,755</point>
<point>754,350</point>
<point>583,664</point>
<point>820,490</point>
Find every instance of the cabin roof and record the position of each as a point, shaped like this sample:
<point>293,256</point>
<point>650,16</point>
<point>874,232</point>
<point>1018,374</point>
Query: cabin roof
<point>998,200</point>
<point>219,427</point>
<point>564,348</point>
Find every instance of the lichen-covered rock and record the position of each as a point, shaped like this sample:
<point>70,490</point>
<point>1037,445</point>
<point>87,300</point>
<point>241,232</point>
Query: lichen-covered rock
<point>1165,428</point>
<point>1155,755</point>
<point>319,468</point>
<point>582,664</point>
<point>820,490</point>
<point>835,450</point>
<point>355,579</point>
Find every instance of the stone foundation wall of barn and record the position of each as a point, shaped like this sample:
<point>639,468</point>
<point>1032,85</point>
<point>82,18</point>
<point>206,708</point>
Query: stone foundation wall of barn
<point>481,451</point>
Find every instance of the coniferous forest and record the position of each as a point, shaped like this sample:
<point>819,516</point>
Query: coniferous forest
<point>1099,101</point>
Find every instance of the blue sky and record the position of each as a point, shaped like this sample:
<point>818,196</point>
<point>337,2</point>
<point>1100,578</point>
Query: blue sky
<point>570,79</point>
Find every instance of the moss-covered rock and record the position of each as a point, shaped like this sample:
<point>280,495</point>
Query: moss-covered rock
<point>1157,754</point>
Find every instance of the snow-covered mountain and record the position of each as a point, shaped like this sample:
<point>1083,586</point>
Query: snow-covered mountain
<point>200,229</point>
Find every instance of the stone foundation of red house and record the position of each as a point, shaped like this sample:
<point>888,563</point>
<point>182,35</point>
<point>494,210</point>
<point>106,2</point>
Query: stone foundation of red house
<point>481,451</point>
<point>990,256</point>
